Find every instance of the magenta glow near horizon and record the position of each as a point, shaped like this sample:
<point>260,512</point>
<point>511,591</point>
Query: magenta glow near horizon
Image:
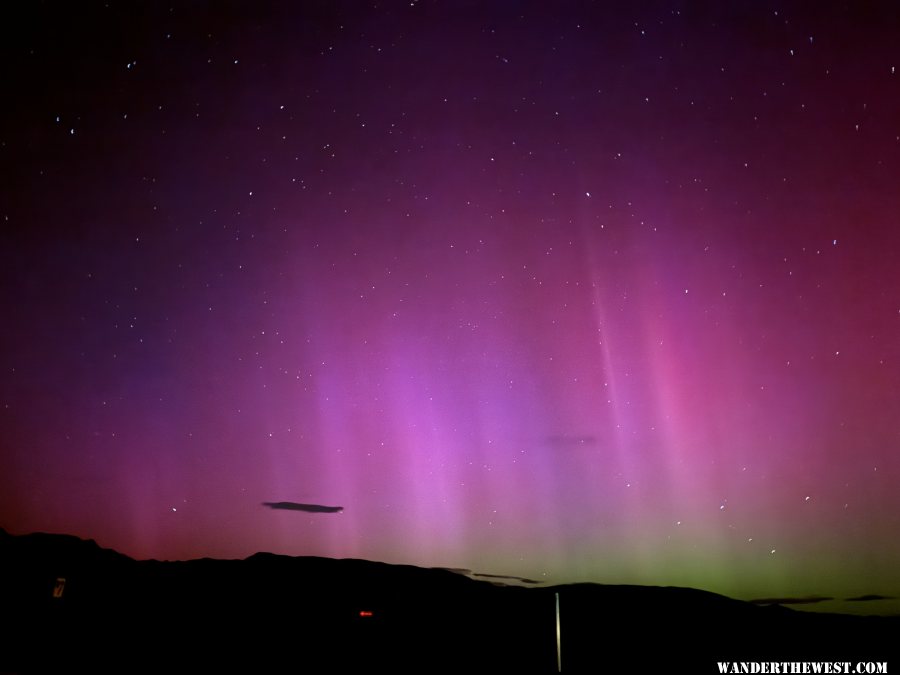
<point>577,292</point>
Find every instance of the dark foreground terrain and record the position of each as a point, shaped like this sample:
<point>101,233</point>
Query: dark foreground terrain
<point>273,613</point>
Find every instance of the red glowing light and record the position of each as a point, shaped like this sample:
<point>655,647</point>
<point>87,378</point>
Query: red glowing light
<point>365,612</point>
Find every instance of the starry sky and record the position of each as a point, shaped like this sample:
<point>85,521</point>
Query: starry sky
<point>575,291</point>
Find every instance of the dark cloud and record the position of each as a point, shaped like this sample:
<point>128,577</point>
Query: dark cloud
<point>308,508</point>
<point>455,570</point>
<point>495,578</point>
<point>506,577</point>
<point>869,598</point>
<point>808,600</point>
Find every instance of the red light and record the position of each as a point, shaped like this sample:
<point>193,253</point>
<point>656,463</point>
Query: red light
<point>365,612</point>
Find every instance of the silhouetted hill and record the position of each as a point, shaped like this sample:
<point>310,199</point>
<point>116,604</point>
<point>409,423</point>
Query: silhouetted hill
<point>273,613</point>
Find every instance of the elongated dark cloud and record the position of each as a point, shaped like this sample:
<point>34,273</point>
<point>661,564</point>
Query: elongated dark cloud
<point>507,577</point>
<point>455,570</point>
<point>809,600</point>
<point>308,508</point>
<point>500,578</point>
<point>870,598</point>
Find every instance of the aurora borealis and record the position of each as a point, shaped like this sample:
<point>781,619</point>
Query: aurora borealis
<point>573,291</point>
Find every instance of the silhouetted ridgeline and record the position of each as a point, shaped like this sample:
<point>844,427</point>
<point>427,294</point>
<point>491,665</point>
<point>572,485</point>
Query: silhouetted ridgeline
<point>273,613</point>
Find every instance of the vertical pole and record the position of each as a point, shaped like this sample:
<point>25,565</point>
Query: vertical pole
<point>558,646</point>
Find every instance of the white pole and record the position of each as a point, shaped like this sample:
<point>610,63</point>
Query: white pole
<point>558,649</point>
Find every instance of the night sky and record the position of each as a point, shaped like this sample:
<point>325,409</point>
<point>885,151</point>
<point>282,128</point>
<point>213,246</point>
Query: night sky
<point>574,291</point>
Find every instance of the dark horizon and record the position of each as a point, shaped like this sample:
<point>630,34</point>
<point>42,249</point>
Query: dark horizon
<point>871,604</point>
<point>325,615</point>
